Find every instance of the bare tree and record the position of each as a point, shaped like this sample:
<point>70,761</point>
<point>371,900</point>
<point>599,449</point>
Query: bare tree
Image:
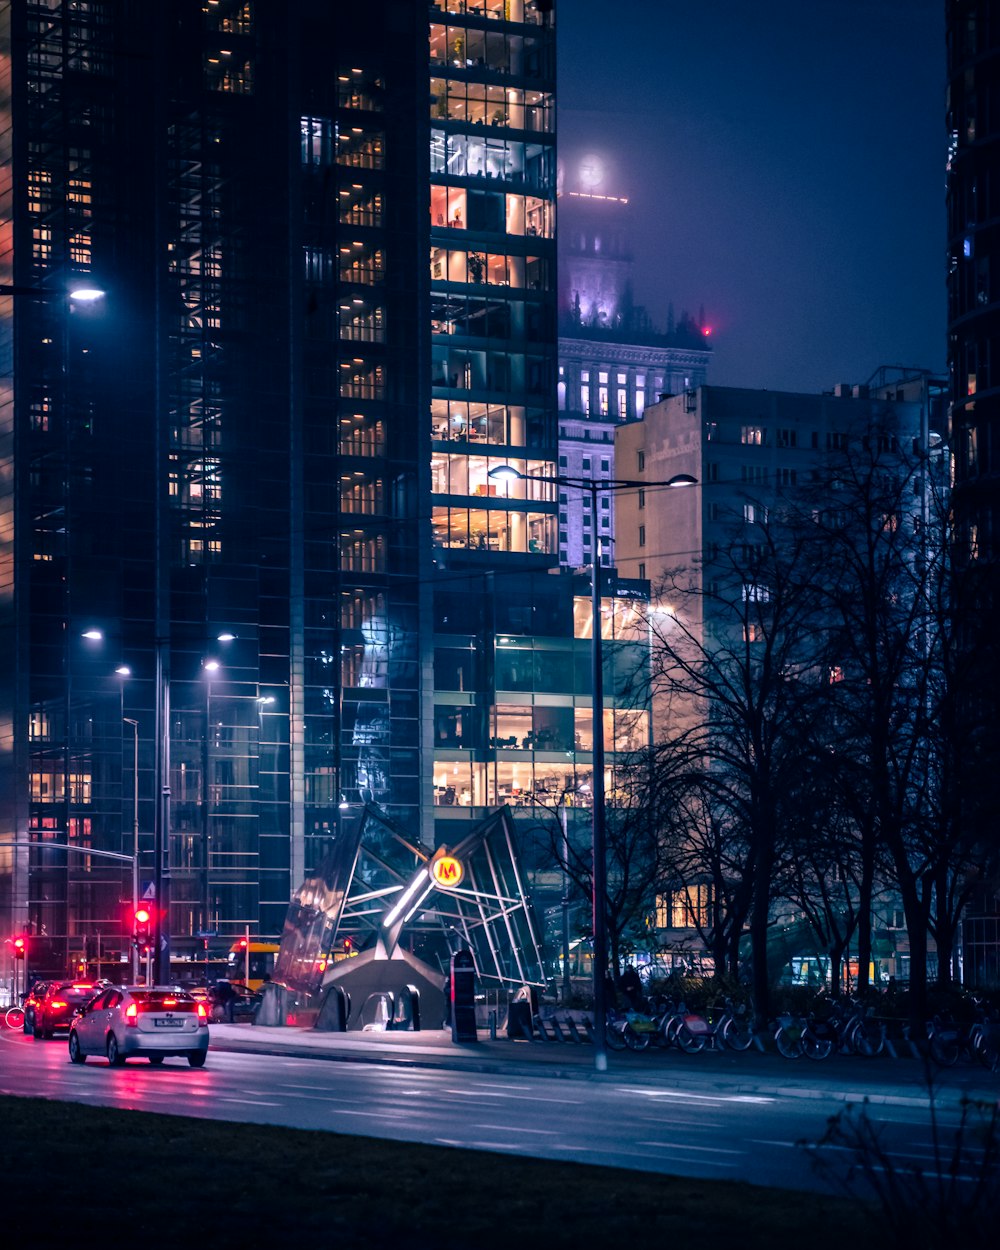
<point>737,649</point>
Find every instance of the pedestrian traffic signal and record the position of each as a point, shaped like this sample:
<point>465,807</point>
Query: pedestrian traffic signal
<point>20,946</point>
<point>142,927</point>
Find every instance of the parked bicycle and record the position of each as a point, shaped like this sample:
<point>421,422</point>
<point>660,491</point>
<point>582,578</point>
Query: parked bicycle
<point>720,1027</point>
<point>844,1027</point>
<point>978,1041</point>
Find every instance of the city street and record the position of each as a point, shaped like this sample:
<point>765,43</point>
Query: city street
<point>710,1126</point>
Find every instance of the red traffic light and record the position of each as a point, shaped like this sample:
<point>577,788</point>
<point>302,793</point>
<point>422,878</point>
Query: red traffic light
<point>142,927</point>
<point>243,944</point>
<point>20,946</point>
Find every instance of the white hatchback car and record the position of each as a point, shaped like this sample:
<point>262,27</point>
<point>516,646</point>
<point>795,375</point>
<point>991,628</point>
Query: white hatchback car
<point>140,1021</point>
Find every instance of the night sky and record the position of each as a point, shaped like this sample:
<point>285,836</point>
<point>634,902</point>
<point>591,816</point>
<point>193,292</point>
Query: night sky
<point>784,160</point>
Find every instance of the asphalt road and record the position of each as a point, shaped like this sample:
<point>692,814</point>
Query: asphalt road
<point>632,1122</point>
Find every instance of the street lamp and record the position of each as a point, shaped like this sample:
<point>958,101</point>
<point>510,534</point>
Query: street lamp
<point>128,720</point>
<point>593,487</point>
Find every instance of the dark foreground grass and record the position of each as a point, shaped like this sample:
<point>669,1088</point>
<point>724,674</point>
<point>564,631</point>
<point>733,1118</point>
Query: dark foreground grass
<point>177,1181</point>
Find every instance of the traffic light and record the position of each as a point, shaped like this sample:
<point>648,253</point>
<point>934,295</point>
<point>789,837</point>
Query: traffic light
<point>242,944</point>
<point>20,946</point>
<point>142,927</point>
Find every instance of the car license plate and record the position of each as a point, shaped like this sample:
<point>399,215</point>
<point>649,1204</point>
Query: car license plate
<point>169,1024</point>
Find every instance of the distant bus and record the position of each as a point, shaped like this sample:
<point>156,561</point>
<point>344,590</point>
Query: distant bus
<point>261,959</point>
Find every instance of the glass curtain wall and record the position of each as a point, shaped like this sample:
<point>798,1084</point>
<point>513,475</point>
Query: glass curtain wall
<point>492,277</point>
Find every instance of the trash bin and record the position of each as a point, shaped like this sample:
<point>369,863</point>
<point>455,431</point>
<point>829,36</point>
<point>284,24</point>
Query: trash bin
<point>519,1020</point>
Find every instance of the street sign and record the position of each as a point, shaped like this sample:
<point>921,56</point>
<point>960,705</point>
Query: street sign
<point>149,889</point>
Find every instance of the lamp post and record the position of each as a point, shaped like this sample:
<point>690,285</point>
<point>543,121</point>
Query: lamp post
<point>135,834</point>
<point>599,883</point>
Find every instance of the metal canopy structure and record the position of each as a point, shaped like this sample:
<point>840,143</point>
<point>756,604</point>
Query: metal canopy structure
<point>384,891</point>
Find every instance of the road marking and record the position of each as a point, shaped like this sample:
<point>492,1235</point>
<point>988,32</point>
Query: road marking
<point>516,1128</point>
<point>686,1146</point>
<point>250,1102</point>
<point>473,1093</point>
<point>679,1096</point>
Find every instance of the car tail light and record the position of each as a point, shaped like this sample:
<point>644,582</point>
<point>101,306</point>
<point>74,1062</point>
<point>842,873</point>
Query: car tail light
<point>202,1016</point>
<point>170,1002</point>
<point>132,1015</point>
<point>57,1003</point>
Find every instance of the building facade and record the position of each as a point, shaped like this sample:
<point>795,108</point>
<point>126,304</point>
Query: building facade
<point>973,199</point>
<point>754,453</point>
<point>613,361</point>
<point>233,442</point>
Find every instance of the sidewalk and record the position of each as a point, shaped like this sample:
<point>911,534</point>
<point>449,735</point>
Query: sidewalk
<point>846,1078</point>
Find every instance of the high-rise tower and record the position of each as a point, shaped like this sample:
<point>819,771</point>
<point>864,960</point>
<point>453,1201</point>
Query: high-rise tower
<point>232,441</point>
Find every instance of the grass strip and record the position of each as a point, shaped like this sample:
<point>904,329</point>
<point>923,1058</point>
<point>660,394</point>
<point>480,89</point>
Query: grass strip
<point>102,1173</point>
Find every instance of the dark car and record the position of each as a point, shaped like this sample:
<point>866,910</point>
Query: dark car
<point>60,1002</point>
<point>36,993</point>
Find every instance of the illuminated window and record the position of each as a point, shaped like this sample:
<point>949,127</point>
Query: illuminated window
<point>691,907</point>
<point>39,191</point>
<point>41,411</point>
<point>79,250</point>
<point>78,193</point>
<point>752,435</point>
<point>41,244</point>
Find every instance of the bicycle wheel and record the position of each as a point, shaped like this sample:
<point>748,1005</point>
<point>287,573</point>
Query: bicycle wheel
<point>14,1017</point>
<point>867,1040</point>
<point>668,1030</point>
<point>614,1036</point>
<point>634,1040</point>
<point>737,1033</point>
<point>988,1049</point>
<point>989,1057</point>
<point>814,1047</point>
<point>788,1042</point>
<point>689,1041</point>
<point>945,1048</point>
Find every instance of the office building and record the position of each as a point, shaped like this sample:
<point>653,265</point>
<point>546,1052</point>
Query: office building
<point>274,428</point>
<point>973,199</point>
<point>613,360</point>
<point>752,452</point>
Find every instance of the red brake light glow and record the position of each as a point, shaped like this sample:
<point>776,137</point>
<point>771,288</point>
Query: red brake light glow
<point>170,1002</point>
<point>202,1014</point>
<point>57,1002</point>
<point>132,1015</point>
